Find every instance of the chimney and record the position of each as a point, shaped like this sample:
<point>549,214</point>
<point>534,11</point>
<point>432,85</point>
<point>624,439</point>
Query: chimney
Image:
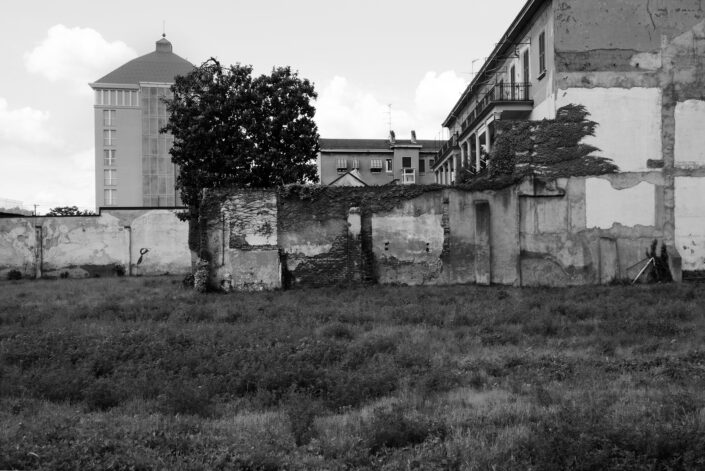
<point>413,136</point>
<point>392,138</point>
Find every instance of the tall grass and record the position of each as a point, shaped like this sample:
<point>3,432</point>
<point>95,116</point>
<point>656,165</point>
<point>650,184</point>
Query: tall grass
<point>138,373</point>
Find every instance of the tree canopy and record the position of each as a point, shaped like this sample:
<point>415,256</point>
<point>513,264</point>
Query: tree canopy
<point>233,129</point>
<point>69,211</point>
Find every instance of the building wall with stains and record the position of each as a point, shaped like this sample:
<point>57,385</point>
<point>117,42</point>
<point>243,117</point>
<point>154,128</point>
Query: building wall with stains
<point>142,241</point>
<point>536,233</point>
<point>639,68</point>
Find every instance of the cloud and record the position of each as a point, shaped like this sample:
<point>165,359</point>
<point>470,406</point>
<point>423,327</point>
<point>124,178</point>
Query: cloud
<point>38,167</point>
<point>435,96</point>
<point>347,111</point>
<point>24,126</point>
<point>76,55</point>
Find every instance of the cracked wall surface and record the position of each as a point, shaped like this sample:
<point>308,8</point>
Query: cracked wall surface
<point>639,67</point>
<point>536,233</point>
<point>144,242</point>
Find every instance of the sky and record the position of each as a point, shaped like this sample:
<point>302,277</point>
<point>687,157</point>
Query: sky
<point>362,56</point>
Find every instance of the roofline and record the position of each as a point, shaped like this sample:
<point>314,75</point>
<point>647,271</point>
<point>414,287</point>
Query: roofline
<point>521,19</point>
<point>126,86</point>
<point>358,151</point>
<point>348,173</point>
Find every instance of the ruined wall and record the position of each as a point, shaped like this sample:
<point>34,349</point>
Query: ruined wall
<point>536,233</point>
<point>569,237</point>
<point>147,242</point>
<point>241,239</point>
<point>639,68</point>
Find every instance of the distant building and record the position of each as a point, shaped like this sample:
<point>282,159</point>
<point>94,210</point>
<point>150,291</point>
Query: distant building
<point>359,162</point>
<point>132,162</point>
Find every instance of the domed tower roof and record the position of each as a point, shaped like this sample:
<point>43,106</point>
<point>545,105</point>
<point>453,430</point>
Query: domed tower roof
<point>162,65</point>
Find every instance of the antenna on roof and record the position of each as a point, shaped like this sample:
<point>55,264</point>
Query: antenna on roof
<point>163,29</point>
<point>390,116</point>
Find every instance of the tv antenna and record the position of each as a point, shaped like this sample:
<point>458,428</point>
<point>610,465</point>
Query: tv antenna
<point>389,115</point>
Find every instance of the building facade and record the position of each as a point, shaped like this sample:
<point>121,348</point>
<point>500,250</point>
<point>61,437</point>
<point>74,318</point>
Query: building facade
<point>133,167</point>
<point>639,70</point>
<point>371,162</point>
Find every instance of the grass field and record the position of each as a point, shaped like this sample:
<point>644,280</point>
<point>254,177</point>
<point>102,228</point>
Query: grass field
<point>140,374</point>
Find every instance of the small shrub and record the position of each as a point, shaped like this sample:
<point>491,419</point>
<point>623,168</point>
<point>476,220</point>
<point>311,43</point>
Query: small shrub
<point>102,395</point>
<point>337,330</point>
<point>302,411</point>
<point>119,270</point>
<point>63,275</point>
<point>14,275</point>
<point>186,399</point>
<point>395,429</point>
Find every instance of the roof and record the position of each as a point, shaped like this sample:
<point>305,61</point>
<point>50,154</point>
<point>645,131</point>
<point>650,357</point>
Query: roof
<point>160,66</point>
<point>370,144</point>
<point>349,178</point>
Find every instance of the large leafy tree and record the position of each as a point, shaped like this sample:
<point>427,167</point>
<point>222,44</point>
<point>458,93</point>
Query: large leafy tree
<point>233,129</point>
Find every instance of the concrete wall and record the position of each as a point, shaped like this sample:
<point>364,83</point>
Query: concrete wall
<point>535,233</point>
<point>93,245</point>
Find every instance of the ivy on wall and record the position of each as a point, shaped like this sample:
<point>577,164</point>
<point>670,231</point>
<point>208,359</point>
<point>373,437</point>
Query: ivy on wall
<point>551,148</point>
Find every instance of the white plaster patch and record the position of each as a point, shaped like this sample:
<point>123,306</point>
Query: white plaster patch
<point>690,221</point>
<point>690,132</point>
<point>646,60</point>
<point>629,123</point>
<point>309,250</point>
<point>605,206</point>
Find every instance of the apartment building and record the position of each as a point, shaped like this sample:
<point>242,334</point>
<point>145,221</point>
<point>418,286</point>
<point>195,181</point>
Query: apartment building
<point>132,162</point>
<point>639,69</point>
<point>369,162</point>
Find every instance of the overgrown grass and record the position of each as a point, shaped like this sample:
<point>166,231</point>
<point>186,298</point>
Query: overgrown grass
<point>136,373</point>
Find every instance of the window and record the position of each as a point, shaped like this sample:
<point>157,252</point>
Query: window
<point>110,177</point>
<point>376,165</point>
<point>525,78</point>
<point>108,117</point>
<point>542,54</point>
<point>422,165</point>
<point>342,165</point>
<point>108,157</point>
<point>389,166</point>
<point>110,197</point>
<point>356,164</point>
<point>431,163</point>
<point>108,137</point>
<point>406,162</point>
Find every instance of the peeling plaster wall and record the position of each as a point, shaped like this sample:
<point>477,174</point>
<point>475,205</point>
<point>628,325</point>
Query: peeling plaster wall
<point>690,133</point>
<point>566,242</point>
<point>690,214</point>
<point>629,123</point>
<point>615,57</point>
<point>93,245</point>
<point>242,241</point>
<point>606,206</point>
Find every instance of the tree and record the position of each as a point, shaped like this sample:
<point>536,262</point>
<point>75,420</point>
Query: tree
<point>69,211</point>
<point>232,129</point>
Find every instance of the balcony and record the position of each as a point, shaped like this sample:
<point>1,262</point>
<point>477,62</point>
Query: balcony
<point>501,94</point>
<point>408,177</point>
<point>510,97</point>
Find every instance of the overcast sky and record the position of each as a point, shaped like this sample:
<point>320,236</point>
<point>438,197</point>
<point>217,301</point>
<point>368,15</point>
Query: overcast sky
<point>361,55</point>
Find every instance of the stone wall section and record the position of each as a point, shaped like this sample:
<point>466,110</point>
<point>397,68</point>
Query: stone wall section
<point>139,241</point>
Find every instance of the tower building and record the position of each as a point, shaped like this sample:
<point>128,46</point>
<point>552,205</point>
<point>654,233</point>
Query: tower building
<point>132,162</point>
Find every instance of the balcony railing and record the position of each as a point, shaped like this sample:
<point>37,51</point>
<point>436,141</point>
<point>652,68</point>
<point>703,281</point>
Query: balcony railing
<point>499,93</point>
